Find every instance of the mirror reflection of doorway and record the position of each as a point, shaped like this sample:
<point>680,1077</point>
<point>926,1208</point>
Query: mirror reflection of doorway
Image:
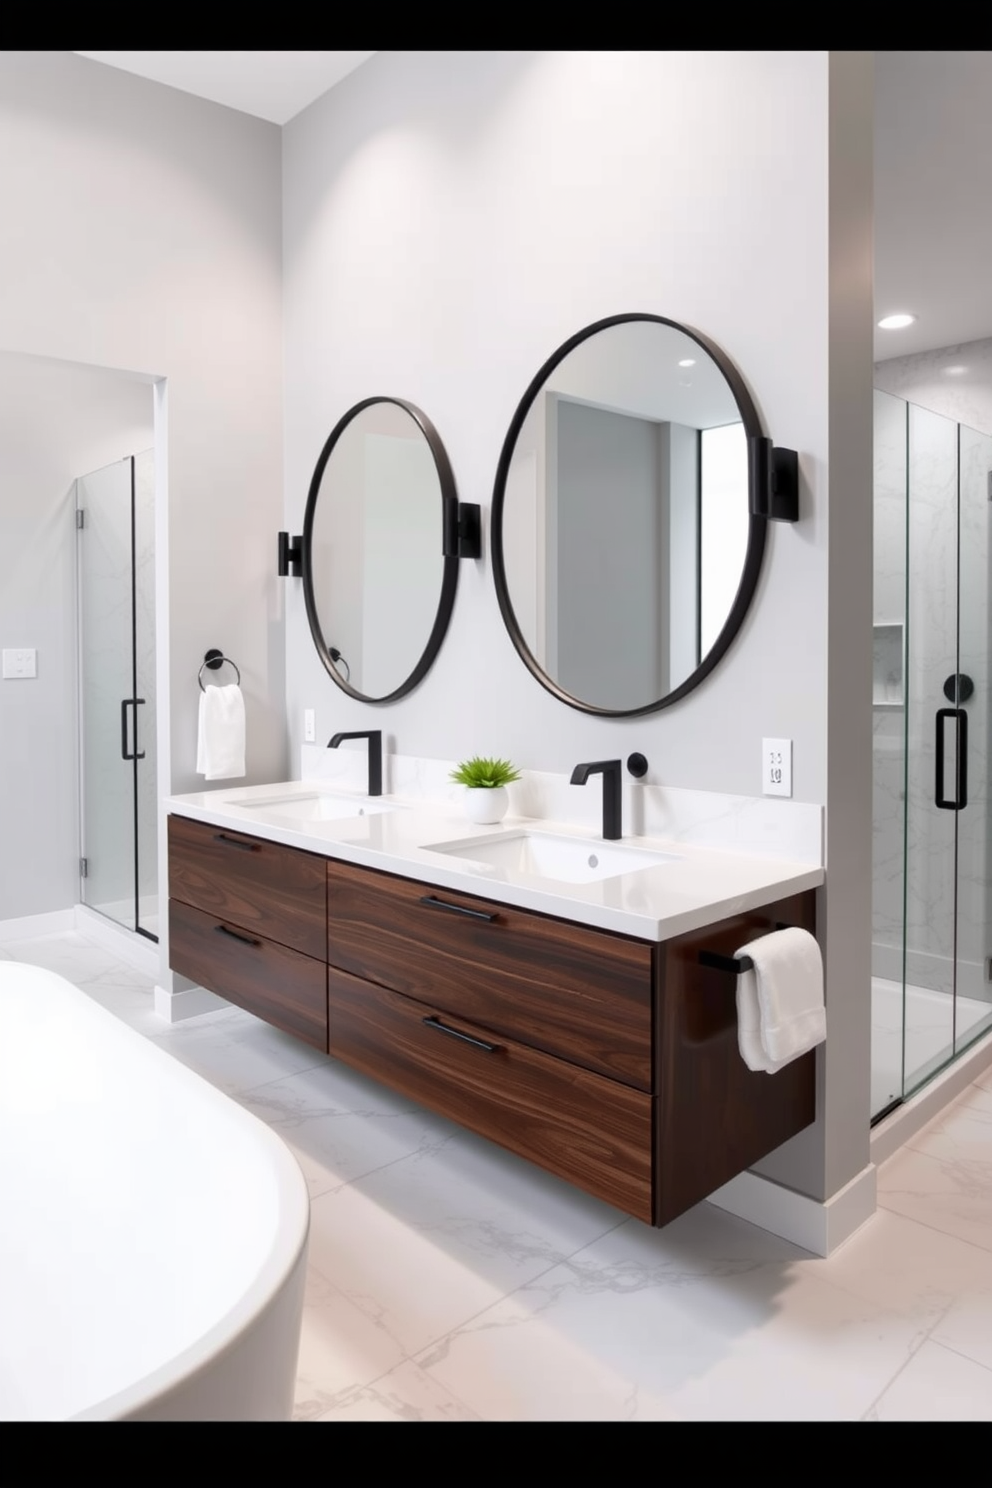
<point>115,524</point>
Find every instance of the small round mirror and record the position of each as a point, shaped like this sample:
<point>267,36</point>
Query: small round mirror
<point>625,552</point>
<point>378,590</point>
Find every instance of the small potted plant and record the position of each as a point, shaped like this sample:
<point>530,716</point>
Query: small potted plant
<point>485,782</point>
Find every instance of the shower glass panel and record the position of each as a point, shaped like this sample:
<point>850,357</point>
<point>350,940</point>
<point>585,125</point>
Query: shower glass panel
<point>973,1005</point>
<point>930,993</point>
<point>118,815</point>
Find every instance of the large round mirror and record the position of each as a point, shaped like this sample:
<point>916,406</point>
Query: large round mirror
<point>378,590</point>
<point>624,549</point>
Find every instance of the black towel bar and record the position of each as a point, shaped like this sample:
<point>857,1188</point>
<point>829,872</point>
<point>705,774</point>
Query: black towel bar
<point>734,964</point>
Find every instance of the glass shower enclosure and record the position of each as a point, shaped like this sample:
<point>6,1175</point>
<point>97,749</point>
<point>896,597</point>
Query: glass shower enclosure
<point>932,847</point>
<point>115,530</point>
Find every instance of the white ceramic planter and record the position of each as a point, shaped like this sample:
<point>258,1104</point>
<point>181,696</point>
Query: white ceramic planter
<point>486,805</point>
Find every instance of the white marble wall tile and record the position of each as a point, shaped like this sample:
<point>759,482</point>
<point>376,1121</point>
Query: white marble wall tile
<point>955,381</point>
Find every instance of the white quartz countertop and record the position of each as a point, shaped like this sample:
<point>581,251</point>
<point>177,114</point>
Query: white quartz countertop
<point>697,886</point>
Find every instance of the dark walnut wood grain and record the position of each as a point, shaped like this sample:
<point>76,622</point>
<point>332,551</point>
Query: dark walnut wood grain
<point>583,995</point>
<point>596,1133</point>
<point>715,1116</point>
<point>273,891</point>
<point>267,979</point>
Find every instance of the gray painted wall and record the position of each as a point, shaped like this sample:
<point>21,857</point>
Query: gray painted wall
<point>57,422</point>
<point>450,219</point>
<point>148,240</point>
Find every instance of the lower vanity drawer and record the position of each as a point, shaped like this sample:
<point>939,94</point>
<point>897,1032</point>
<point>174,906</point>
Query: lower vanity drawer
<point>594,1132</point>
<point>581,994</point>
<point>282,986</point>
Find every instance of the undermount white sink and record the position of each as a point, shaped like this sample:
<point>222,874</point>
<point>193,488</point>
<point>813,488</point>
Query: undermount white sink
<point>319,806</point>
<point>544,855</point>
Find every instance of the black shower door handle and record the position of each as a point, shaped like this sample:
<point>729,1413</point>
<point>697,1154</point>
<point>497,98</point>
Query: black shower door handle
<point>125,704</point>
<point>960,800</point>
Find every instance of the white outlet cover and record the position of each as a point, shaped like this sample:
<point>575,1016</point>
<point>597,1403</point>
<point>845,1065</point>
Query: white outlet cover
<point>776,767</point>
<point>20,661</point>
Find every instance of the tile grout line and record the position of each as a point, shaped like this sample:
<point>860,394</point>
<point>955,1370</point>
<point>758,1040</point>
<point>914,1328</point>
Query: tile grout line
<point>907,1361</point>
<point>947,1234</point>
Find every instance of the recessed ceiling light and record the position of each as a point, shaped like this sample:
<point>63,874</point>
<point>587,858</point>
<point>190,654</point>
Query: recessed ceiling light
<point>689,362</point>
<point>895,322</point>
<point>955,371</point>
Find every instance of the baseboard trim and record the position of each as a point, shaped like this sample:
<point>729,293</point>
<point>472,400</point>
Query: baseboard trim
<point>56,922</point>
<point>189,1002</point>
<point>912,1116</point>
<point>138,952</point>
<point>818,1226</point>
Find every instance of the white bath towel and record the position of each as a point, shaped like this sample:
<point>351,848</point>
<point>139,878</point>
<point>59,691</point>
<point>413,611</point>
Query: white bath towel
<point>220,743</point>
<point>780,1009</point>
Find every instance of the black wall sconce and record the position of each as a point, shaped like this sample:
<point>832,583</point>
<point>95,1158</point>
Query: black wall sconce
<point>290,556</point>
<point>462,534</point>
<point>774,481</point>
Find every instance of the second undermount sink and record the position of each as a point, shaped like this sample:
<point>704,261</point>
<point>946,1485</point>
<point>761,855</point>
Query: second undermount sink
<point>319,806</point>
<point>546,855</point>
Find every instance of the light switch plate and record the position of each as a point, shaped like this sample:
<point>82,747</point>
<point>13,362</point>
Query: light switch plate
<point>776,767</point>
<point>20,662</point>
<point>309,726</point>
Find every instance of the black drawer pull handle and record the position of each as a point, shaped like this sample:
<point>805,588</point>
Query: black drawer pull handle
<point>245,939</point>
<point>473,914</point>
<point>233,842</point>
<point>439,1027</point>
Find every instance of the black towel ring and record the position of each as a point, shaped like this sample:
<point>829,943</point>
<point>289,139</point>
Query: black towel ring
<point>214,659</point>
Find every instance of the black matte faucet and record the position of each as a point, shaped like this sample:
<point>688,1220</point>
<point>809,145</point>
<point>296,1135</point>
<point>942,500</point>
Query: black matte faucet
<point>612,810</point>
<point>374,737</point>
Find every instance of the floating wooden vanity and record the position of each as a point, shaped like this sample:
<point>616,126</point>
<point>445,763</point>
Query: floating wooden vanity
<point>609,1060</point>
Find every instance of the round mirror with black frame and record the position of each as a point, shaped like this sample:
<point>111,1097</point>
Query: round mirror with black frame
<point>625,548</point>
<point>379,591</point>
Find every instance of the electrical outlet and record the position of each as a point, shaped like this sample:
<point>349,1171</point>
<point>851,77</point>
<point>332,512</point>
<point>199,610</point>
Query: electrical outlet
<point>309,726</point>
<point>776,767</point>
<point>22,662</point>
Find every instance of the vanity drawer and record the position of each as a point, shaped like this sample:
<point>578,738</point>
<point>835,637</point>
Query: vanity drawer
<point>261,976</point>
<point>581,994</point>
<point>593,1132</point>
<point>276,892</point>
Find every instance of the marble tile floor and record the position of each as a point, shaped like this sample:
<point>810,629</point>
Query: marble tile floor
<point>449,1281</point>
<point>934,1023</point>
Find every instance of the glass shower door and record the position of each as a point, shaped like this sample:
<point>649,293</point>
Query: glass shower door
<point>118,826</point>
<point>973,990</point>
<point>936,739</point>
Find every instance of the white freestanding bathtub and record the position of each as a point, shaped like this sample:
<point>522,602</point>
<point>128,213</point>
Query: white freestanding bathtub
<point>153,1234</point>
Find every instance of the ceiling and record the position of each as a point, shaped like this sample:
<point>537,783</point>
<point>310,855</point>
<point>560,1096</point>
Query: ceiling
<point>933,167</point>
<point>271,85</point>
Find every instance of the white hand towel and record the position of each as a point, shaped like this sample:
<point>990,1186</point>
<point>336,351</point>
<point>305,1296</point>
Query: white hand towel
<point>220,743</point>
<point>780,1008</point>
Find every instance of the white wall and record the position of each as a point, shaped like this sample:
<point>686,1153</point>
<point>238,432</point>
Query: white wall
<point>451,218</point>
<point>57,422</point>
<point>142,233</point>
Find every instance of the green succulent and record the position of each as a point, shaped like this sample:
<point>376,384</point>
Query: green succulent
<point>484,774</point>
